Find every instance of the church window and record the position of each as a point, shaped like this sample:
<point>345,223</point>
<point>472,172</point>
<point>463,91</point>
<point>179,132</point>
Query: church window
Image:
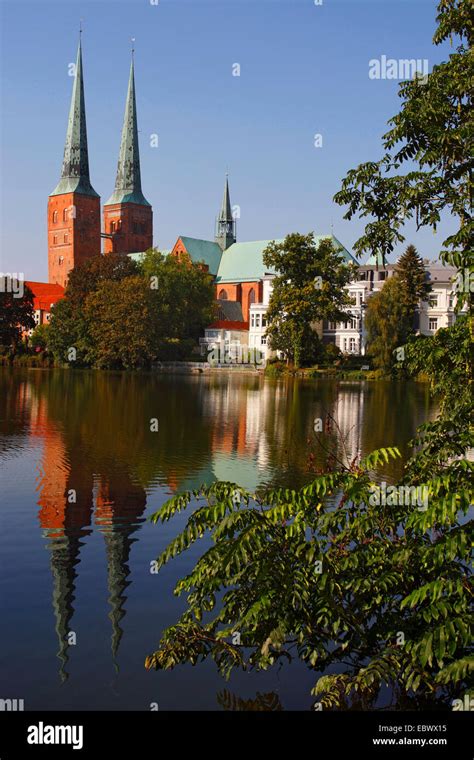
<point>55,217</point>
<point>66,238</point>
<point>55,239</point>
<point>223,295</point>
<point>112,226</point>
<point>251,295</point>
<point>65,215</point>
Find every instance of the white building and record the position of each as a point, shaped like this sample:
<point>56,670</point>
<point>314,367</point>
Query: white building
<point>350,336</point>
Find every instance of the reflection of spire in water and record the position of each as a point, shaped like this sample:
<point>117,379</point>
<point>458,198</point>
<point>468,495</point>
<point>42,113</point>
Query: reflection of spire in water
<point>118,545</point>
<point>64,558</point>
<point>64,524</point>
<point>117,517</point>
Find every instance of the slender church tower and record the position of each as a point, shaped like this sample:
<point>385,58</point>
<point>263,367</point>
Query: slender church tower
<point>74,205</point>
<point>128,217</point>
<point>226,232</point>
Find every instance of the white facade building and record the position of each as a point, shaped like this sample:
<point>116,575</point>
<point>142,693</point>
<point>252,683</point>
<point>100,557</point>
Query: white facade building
<point>350,336</point>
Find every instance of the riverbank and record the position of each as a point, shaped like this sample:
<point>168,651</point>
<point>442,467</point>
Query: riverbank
<point>42,361</point>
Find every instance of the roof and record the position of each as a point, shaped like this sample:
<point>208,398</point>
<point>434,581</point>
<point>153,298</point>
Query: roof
<point>436,270</point>
<point>203,250</point>
<point>45,294</point>
<point>228,324</point>
<point>375,260</point>
<point>75,170</point>
<point>229,310</point>
<point>243,262</point>
<point>128,184</point>
<point>138,257</point>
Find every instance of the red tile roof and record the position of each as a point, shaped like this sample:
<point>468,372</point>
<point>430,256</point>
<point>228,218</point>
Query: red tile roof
<point>45,294</point>
<point>228,324</point>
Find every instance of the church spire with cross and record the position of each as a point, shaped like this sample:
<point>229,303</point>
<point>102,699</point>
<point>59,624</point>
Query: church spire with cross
<point>226,233</point>
<point>74,205</point>
<point>75,176</point>
<point>127,213</point>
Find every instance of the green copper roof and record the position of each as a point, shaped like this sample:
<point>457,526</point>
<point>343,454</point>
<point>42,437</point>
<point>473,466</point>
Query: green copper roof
<point>225,214</point>
<point>375,260</point>
<point>243,262</point>
<point>225,223</point>
<point>75,170</point>
<point>138,257</point>
<point>203,250</point>
<point>128,183</point>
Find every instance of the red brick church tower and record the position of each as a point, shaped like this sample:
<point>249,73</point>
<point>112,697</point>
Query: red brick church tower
<point>128,217</point>
<point>74,205</point>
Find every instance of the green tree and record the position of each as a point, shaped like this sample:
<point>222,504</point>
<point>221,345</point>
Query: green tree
<point>382,589</point>
<point>16,311</point>
<point>124,323</point>
<point>309,287</point>
<point>387,322</point>
<point>70,337</point>
<point>414,285</point>
<point>40,337</point>
<point>185,295</point>
<point>87,277</point>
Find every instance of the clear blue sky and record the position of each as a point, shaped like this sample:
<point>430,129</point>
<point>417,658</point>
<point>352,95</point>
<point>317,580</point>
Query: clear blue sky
<point>304,70</point>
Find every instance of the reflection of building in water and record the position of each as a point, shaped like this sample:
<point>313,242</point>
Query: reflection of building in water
<point>245,422</point>
<point>348,413</point>
<point>66,500</point>
<point>119,507</point>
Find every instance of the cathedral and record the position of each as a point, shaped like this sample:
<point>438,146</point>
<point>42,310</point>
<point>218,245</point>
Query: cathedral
<point>76,231</point>
<point>243,283</point>
<point>74,214</point>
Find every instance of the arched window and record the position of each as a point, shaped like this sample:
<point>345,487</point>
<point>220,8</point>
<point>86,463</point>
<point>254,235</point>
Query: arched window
<point>55,217</point>
<point>65,215</point>
<point>251,296</point>
<point>223,295</point>
<point>112,226</point>
<point>55,239</point>
<point>66,238</point>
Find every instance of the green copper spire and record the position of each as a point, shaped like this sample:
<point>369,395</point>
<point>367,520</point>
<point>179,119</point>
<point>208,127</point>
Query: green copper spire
<point>75,172</point>
<point>225,225</point>
<point>226,209</point>
<point>128,184</point>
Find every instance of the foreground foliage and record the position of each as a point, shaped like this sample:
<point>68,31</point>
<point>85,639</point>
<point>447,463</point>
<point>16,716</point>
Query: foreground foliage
<point>381,592</point>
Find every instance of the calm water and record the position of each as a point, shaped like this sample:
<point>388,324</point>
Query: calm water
<point>84,567</point>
